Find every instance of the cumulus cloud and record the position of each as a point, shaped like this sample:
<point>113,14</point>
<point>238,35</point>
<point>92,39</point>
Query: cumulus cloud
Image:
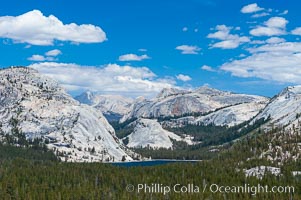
<point>275,40</point>
<point>36,29</point>
<point>230,44</point>
<point>188,49</point>
<point>274,26</point>
<point>285,12</point>
<point>296,31</point>
<point>49,56</point>
<point>229,41</point>
<point>54,53</point>
<point>37,57</point>
<point>266,31</point>
<point>133,57</point>
<point>207,68</point>
<point>222,33</point>
<point>111,78</point>
<point>280,62</point>
<point>277,22</point>
<point>291,47</point>
<point>263,14</point>
<point>251,8</point>
<point>183,77</point>
<point>257,42</point>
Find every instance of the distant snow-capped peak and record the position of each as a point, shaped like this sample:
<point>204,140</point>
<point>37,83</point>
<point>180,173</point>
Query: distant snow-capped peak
<point>106,103</point>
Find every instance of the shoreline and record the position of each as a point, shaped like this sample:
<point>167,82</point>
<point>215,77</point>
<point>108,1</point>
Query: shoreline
<point>155,161</point>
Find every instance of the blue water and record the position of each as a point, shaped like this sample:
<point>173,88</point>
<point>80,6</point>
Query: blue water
<point>151,163</point>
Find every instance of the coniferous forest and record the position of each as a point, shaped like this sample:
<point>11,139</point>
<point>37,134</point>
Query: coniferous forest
<point>34,173</point>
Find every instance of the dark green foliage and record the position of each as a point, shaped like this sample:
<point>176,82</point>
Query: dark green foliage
<point>124,132</point>
<point>8,152</point>
<point>27,173</point>
<point>216,135</point>
<point>166,118</point>
<point>33,179</point>
<point>208,136</point>
<point>123,129</point>
<point>33,172</point>
<point>16,136</point>
<point>180,154</point>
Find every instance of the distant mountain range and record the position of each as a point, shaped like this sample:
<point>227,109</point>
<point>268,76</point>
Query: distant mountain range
<point>112,106</point>
<point>36,106</point>
<point>204,106</point>
<point>176,107</point>
<point>176,103</point>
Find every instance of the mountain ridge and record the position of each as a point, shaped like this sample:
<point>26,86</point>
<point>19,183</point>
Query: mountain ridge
<point>181,102</point>
<point>36,106</point>
<point>112,106</point>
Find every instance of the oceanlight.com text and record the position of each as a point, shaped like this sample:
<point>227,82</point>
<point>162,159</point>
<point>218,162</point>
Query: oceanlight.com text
<point>212,188</point>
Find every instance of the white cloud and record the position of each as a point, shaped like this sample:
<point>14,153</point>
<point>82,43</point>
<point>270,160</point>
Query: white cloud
<point>275,40</point>
<point>183,77</point>
<point>133,57</point>
<point>229,41</point>
<point>263,14</point>
<point>142,50</point>
<point>230,44</point>
<point>54,53</point>
<point>251,8</point>
<point>266,31</point>
<point>296,31</point>
<point>291,47</point>
<point>276,62</point>
<point>37,57</point>
<point>111,78</point>
<point>36,29</point>
<point>49,56</point>
<point>277,22</point>
<point>185,29</point>
<point>257,42</point>
<point>285,12</point>
<point>208,68</point>
<point>187,49</point>
<point>222,33</point>
<point>274,26</point>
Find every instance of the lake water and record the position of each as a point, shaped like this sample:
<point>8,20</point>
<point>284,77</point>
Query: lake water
<point>151,162</point>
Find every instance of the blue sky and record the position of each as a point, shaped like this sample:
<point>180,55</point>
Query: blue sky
<point>137,47</point>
